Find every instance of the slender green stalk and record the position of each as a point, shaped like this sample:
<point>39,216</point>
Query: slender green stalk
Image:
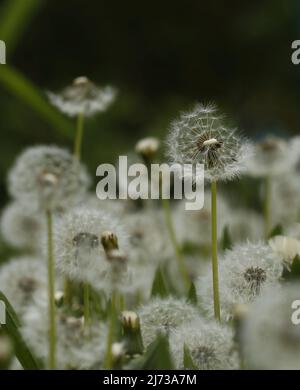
<point>79,136</point>
<point>108,361</point>
<point>267,206</point>
<point>51,302</point>
<point>86,304</point>
<point>68,291</point>
<point>214,242</point>
<point>177,249</point>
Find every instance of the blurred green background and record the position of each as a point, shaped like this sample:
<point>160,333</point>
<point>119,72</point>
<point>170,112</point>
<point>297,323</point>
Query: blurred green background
<point>161,55</point>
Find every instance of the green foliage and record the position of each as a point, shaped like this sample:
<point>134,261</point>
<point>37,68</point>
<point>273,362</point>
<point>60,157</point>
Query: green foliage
<point>22,88</point>
<point>22,351</point>
<point>187,359</point>
<point>159,287</point>
<point>294,272</point>
<point>156,357</point>
<point>226,239</point>
<point>192,294</point>
<point>15,17</point>
<point>276,231</point>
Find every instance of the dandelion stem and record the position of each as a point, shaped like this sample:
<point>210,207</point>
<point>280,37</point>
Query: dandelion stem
<point>267,206</point>
<point>176,246</point>
<point>214,241</point>
<point>79,136</point>
<point>86,304</point>
<point>51,300</point>
<point>68,291</point>
<point>108,361</point>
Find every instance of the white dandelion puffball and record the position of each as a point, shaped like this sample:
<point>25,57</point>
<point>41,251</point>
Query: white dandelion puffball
<point>22,227</point>
<point>48,177</point>
<point>83,97</point>
<point>200,136</point>
<point>244,272</point>
<point>272,156</point>
<point>78,250</point>
<point>22,278</point>
<point>286,247</point>
<point>285,195</point>
<point>148,238</point>
<point>210,345</point>
<point>76,350</point>
<point>271,339</point>
<point>163,315</point>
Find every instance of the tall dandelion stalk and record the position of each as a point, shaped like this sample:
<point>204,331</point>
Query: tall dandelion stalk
<point>51,298</point>
<point>201,137</point>
<point>214,250</point>
<point>267,206</point>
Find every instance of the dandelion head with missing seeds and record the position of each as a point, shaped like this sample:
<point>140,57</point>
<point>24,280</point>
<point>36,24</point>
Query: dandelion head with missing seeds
<point>48,178</point>
<point>82,238</point>
<point>201,137</point>
<point>83,97</point>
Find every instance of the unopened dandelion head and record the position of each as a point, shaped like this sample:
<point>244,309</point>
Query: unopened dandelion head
<point>271,340</point>
<point>163,315</point>
<point>83,97</point>
<point>209,343</point>
<point>79,249</point>
<point>48,178</point>
<point>285,247</point>
<point>244,272</point>
<point>201,137</point>
<point>21,227</point>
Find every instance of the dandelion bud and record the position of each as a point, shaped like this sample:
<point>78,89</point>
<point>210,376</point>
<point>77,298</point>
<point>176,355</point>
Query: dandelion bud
<point>81,80</point>
<point>118,353</point>
<point>109,241</point>
<point>6,352</point>
<point>132,333</point>
<point>59,298</point>
<point>147,147</point>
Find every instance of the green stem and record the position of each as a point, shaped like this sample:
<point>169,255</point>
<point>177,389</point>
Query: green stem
<point>176,246</point>
<point>79,136</point>
<point>214,242</point>
<point>86,304</point>
<point>267,206</point>
<point>51,299</point>
<point>68,291</point>
<point>108,361</point>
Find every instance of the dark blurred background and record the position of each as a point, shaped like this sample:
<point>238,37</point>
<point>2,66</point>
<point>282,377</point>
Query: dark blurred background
<point>161,55</point>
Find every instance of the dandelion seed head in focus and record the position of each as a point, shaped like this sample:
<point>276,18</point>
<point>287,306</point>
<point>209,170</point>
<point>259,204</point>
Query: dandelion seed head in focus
<point>83,97</point>
<point>244,272</point>
<point>200,136</point>
<point>48,178</point>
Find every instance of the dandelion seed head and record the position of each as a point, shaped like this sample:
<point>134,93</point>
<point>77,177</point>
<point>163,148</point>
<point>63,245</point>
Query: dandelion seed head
<point>78,248</point>
<point>271,340</point>
<point>272,157</point>
<point>83,97</point>
<point>200,136</point>
<point>163,315</point>
<point>48,177</point>
<point>210,345</point>
<point>21,227</point>
<point>22,278</point>
<point>244,272</point>
<point>75,350</point>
